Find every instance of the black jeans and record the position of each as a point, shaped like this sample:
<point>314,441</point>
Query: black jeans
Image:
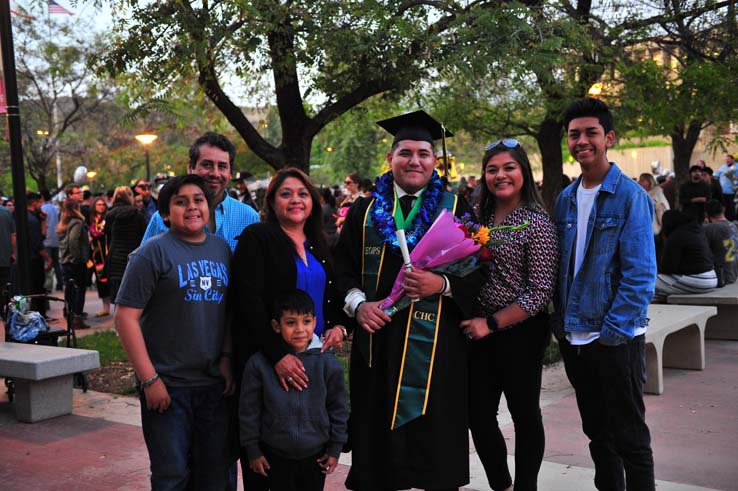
<point>74,286</point>
<point>608,381</point>
<point>293,474</point>
<point>509,362</point>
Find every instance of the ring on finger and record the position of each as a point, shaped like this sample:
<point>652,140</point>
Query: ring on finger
<point>289,379</point>
<point>469,337</point>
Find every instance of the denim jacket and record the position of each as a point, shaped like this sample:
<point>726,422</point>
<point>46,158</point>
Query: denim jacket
<point>616,280</point>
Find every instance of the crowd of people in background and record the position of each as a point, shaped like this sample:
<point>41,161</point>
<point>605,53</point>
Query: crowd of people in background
<point>220,288</point>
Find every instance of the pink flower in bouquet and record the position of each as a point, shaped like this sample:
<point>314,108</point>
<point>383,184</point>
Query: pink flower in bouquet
<point>444,242</point>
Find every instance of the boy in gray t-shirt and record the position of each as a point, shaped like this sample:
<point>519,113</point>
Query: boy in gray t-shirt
<point>722,236</point>
<point>171,319</point>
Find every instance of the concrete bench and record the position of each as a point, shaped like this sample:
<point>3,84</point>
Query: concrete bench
<point>675,338</point>
<point>725,324</point>
<point>42,376</point>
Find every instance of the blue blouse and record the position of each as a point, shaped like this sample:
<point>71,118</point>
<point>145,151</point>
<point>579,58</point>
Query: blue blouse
<point>311,279</point>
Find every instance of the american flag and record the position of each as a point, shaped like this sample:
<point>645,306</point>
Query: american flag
<point>55,8</point>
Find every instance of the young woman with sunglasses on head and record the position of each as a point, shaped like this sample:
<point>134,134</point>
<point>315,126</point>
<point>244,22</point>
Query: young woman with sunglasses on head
<point>510,335</point>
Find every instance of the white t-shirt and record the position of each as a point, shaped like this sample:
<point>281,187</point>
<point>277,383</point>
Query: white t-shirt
<point>585,202</point>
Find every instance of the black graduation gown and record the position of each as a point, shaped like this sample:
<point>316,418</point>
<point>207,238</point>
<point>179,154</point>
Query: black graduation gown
<point>431,451</point>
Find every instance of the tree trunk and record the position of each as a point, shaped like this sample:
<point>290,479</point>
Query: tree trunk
<point>549,142</point>
<point>683,145</point>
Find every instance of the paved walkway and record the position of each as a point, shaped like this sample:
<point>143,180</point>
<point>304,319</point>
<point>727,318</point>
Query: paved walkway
<point>694,427</point>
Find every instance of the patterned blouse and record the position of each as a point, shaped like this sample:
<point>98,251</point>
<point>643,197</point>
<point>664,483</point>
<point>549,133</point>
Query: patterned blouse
<point>525,264</point>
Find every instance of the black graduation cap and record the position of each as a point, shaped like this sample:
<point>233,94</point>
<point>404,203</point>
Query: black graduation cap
<point>418,126</point>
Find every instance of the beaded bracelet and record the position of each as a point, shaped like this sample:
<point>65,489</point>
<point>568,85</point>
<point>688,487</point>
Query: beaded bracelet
<point>150,381</point>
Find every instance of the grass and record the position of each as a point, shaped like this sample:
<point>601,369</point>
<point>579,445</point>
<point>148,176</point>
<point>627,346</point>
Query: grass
<point>107,344</point>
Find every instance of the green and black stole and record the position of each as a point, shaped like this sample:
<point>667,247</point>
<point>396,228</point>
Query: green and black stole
<point>421,332</point>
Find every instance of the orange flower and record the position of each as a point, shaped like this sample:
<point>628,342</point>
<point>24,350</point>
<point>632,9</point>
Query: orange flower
<point>481,236</point>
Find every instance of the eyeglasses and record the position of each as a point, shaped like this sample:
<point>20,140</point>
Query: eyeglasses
<point>508,142</point>
<point>144,186</point>
<point>347,182</point>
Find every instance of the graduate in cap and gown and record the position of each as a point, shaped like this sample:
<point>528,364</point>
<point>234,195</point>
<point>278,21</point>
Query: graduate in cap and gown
<point>408,374</point>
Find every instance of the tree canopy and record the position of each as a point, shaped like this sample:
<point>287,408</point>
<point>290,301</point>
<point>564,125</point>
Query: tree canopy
<point>317,58</point>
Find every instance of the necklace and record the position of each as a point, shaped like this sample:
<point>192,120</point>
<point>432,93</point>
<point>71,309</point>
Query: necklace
<point>384,203</point>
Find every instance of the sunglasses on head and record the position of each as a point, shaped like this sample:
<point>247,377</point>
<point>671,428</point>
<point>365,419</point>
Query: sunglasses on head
<point>508,142</point>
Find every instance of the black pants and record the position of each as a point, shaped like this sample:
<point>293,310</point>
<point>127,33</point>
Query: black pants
<point>37,278</point>
<point>608,381</point>
<point>509,362</point>
<point>294,475</point>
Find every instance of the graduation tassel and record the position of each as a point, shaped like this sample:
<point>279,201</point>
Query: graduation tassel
<point>445,152</point>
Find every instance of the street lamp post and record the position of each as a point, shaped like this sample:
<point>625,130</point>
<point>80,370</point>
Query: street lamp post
<point>147,139</point>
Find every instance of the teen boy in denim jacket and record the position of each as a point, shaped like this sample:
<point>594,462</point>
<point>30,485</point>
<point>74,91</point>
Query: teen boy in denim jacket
<point>607,275</point>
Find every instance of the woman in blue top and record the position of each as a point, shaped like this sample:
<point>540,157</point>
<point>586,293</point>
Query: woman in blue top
<point>287,251</point>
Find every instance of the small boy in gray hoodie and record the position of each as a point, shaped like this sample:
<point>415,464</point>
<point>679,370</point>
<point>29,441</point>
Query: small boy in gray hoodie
<point>294,438</point>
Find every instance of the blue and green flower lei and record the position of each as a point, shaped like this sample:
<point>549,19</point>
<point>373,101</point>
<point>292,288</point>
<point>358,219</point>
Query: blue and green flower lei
<point>384,202</point>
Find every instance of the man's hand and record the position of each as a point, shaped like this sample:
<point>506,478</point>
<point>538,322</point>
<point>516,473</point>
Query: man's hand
<point>421,284</point>
<point>259,465</point>
<point>157,396</point>
<point>370,317</point>
<point>290,370</point>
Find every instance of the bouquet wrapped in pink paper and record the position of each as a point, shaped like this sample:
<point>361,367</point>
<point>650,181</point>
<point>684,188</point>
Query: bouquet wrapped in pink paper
<point>449,246</point>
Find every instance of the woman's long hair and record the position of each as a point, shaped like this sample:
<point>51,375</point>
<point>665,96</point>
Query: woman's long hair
<point>94,215</point>
<point>122,196</point>
<point>70,209</point>
<point>314,225</point>
<point>529,195</point>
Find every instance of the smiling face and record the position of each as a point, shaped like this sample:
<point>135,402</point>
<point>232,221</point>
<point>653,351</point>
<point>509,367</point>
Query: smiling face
<point>296,329</point>
<point>188,213</point>
<point>214,166</point>
<point>588,142</point>
<point>412,164</point>
<point>504,178</point>
<point>292,203</point>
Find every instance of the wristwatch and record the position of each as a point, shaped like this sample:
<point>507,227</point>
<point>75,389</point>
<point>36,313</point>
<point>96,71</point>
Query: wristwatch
<point>492,324</point>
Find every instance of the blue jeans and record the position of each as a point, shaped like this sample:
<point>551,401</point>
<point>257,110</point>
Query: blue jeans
<point>74,286</point>
<point>187,443</point>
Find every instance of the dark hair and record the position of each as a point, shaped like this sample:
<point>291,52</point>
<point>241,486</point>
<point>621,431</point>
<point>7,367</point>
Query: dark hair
<point>355,178</point>
<point>314,224</point>
<point>673,219</point>
<point>32,196</point>
<point>694,168</point>
<point>529,195</point>
<point>708,170</point>
<point>46,195</point>
<point>93,211</point>
<point>589,107</point>
<point>296,301</point>
<point>366,185</point>
<point>327,194</point>
<point>173,186</point>
<point>714,208</point>
<point>69,187</point>
<point>214,140</point>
